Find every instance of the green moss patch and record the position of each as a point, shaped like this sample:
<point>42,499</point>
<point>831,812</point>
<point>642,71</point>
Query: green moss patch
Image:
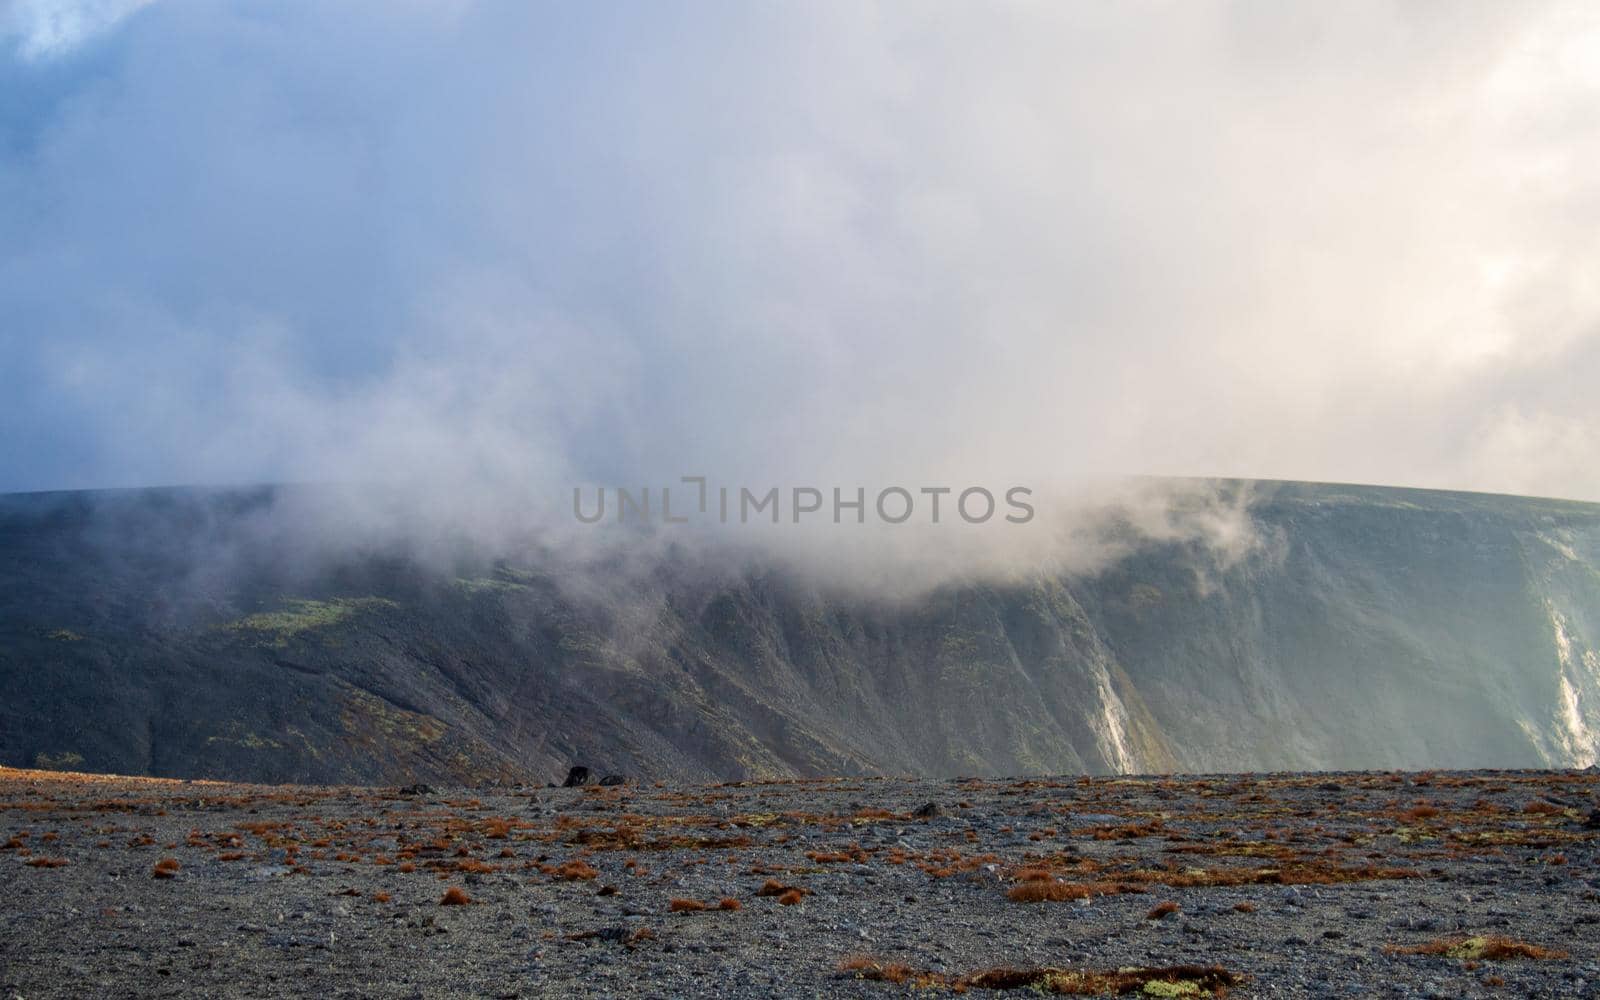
<point>297,617</point>
<point>66,760</point>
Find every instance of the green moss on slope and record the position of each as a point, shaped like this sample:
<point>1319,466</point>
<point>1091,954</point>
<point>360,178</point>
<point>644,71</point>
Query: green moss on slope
<point>300,616</point>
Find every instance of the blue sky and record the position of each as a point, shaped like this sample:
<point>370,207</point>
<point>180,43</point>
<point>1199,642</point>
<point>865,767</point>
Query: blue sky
<point>514,245</point>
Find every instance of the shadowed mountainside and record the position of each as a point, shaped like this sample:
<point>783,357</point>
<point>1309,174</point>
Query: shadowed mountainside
<point>165,632</point>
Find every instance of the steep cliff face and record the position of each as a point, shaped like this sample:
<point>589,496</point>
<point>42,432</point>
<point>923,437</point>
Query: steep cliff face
<point>170,633</point>
<point>1387,628</point>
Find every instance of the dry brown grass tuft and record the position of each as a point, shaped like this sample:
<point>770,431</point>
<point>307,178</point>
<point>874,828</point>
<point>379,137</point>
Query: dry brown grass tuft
<point>728,903</point>
<point>1175,980</point>
<point>873,812</point>
<point>48,862</point>
<point>1245,906</point>
<point>1482,948</point>
<point>165,868</point>
<point>1059,892</point>
<point>837,857</point>
<point>685,906</point>
<point>1162,910</point>
<point>576,870</point>
<point>791,897</point>
<point>879,972</point>
<point>455,896</point>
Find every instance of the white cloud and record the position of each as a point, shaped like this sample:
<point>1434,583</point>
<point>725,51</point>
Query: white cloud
<point>42,29</point>
<point>518,246</point>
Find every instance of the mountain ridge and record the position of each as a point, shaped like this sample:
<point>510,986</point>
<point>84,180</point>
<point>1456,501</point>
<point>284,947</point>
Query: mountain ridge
<point>181,633</point>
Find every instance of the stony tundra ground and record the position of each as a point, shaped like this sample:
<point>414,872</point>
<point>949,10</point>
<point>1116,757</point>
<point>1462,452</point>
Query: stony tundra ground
<point>1326,885</point>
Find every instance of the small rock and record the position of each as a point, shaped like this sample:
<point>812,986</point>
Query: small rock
<point>577,776</point>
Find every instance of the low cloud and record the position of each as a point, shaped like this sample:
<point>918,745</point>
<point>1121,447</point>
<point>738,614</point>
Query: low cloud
<point>481,253</point>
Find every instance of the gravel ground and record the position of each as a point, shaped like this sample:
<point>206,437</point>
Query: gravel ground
<point>1324,885</point>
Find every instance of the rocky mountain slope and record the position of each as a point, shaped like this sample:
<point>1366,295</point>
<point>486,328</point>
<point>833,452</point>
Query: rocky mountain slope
<point>165,632</point>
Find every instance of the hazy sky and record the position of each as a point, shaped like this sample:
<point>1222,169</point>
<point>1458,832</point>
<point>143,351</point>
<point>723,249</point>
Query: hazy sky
<point>523,245</point>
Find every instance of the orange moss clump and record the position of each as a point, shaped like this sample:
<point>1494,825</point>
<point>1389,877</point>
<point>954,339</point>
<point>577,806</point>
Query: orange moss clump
<point>455,896</point>
<point>165,868</point>
<point>685,906</point>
